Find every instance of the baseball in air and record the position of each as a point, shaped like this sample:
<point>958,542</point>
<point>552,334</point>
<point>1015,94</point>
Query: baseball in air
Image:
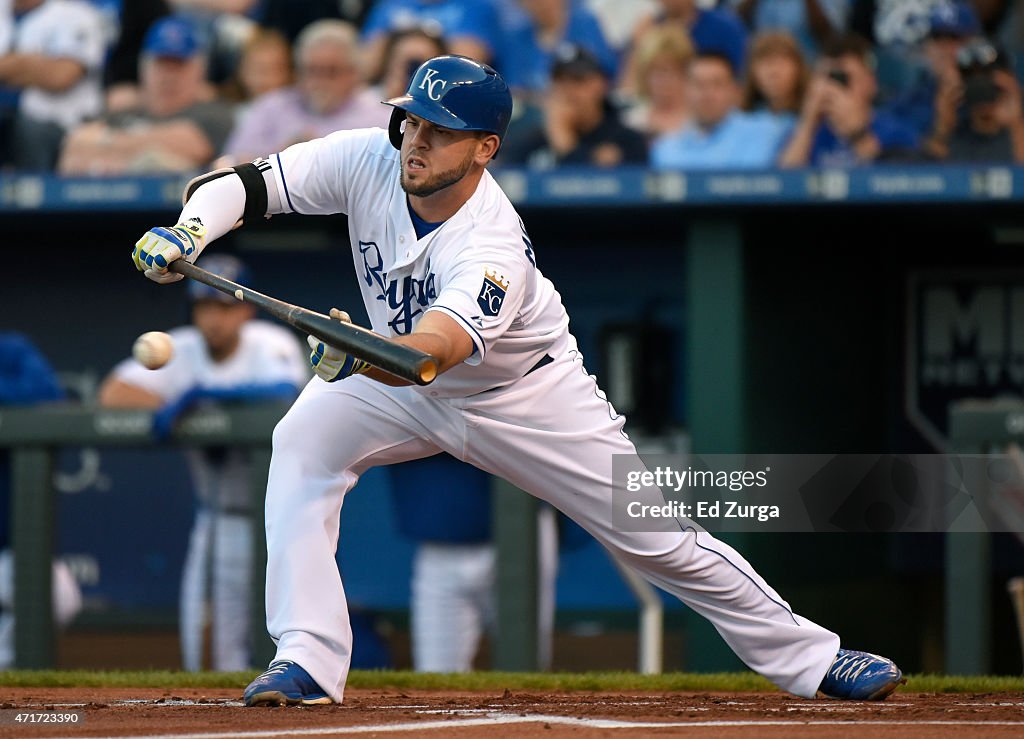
<point>153,349</point>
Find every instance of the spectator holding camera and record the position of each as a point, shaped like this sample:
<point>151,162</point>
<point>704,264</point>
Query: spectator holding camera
<point>950,28</point>
<point>839,125</point>
<point>981,119</point>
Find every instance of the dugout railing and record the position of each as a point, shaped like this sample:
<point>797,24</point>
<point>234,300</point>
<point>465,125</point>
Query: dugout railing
<point>33,437</point>
<point>977,426</point>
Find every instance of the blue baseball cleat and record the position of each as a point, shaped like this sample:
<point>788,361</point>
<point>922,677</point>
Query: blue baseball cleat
<point>285,684</point>
<point>860,676</point>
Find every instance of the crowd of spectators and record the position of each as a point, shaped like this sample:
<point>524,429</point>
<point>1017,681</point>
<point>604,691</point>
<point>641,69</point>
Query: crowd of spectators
<point>108,87</point>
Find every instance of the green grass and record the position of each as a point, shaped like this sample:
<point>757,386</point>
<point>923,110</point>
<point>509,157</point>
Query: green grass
<point>483,681</point>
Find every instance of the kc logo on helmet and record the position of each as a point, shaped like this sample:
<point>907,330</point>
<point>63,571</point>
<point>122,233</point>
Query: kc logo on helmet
<point>430,84</point>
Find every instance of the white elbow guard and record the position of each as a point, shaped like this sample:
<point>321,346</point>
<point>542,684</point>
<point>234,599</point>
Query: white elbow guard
<point>252,174</point>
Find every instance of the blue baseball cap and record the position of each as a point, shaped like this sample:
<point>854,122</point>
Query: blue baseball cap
<point>173,37</point>
<point>956,19</point>
<point>228,267</point>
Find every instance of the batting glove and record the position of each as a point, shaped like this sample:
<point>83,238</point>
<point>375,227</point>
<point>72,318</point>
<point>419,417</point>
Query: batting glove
<point>332,364</point>
<point>162,245</point>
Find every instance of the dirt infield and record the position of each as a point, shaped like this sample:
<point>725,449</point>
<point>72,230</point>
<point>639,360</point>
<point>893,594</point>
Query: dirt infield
<point>384,713</point>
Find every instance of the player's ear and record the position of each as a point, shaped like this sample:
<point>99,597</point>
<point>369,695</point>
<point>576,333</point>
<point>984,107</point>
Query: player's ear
<point>487,147</point>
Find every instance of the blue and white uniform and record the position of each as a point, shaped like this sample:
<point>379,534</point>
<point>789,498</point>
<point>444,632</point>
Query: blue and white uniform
<point>543,425</point>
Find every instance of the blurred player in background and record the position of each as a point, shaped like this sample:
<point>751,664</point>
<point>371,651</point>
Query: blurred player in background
<point>445,506</point>
<point>224,355</point>
<point>26,378</point>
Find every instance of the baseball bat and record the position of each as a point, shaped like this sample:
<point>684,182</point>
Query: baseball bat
<point>402,361</point>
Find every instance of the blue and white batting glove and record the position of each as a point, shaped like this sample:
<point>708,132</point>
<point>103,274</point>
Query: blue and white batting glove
<point>332,364</point>
<point>162,245</point>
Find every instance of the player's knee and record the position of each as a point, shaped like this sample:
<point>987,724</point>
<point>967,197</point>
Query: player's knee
<point>289,436</point>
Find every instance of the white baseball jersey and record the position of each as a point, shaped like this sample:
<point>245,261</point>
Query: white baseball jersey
<point>478,267</point>
<point>266,354</point>
<point>67,29</point>
<point>550,432</point>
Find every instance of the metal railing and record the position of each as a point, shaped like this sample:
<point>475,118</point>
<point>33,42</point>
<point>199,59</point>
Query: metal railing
<point>33,437</point>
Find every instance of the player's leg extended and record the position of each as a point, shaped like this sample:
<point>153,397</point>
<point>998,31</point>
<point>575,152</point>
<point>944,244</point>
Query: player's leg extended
<point>331,435</point>
<point>554,436</point>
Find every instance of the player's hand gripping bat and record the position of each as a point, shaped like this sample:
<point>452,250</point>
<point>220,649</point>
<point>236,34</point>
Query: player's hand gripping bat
<point>401,361</point>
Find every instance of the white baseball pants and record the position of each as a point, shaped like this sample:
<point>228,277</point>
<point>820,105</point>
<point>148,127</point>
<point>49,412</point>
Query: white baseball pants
<point>552,434</point>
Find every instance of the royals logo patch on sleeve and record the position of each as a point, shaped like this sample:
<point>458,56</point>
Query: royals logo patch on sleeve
<point>492,292</point>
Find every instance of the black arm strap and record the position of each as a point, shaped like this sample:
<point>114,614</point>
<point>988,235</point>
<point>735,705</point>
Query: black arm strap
<point>251,175</point>
<point>255,191</point>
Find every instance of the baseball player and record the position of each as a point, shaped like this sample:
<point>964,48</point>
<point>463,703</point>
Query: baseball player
<point>224,355</point>
<point>445,507</point>
<point>446,266</point>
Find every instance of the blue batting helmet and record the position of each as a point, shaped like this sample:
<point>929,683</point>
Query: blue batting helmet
<point>454,92</point>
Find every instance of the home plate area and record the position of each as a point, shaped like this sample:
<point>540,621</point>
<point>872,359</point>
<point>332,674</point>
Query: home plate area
<point>216,714</point>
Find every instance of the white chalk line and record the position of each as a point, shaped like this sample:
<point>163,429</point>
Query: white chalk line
<point>501,719</point>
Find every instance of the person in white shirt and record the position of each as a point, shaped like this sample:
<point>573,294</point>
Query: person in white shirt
<point>224,354</point>
<point>57,63</point>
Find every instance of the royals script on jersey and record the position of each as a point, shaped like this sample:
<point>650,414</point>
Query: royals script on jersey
<point>478,267</point>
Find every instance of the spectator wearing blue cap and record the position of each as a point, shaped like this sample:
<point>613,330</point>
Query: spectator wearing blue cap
<point>950,28</point>
<point>178,127</point>
<point>225,355</point>
<point>57,63</point>
<point>719,135</point>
